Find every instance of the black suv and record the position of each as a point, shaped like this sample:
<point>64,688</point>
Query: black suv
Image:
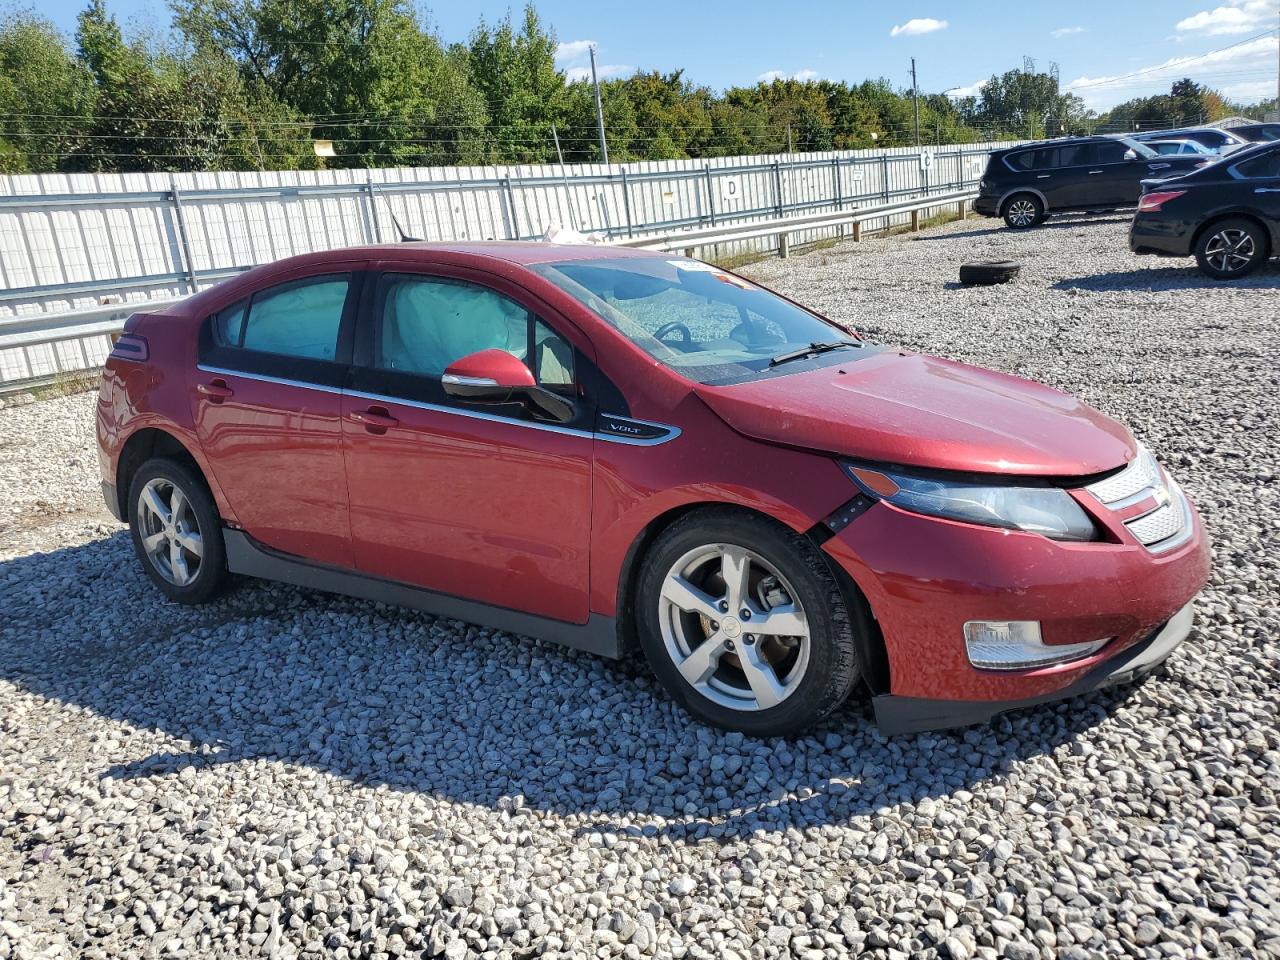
<point>1024,184</point>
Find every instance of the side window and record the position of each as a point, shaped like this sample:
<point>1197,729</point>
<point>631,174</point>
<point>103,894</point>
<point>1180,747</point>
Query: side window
<point>1112,152</point>
<point>1260,168</point>
<point>553,358</point>
<point>1021,161</point>
<point>298,319</point>
<point>228,325</point>
<point>1076,155</point>
<point>424,324</point>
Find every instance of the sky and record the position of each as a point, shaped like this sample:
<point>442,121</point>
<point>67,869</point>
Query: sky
<point>1107,51</point>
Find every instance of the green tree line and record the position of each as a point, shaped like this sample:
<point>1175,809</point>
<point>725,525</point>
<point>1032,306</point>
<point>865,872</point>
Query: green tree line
<point>253,84</point>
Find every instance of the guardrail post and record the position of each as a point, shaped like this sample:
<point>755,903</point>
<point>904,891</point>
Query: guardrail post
<point>711,200</point>
<point>835,189</point>
<point>857,231</point>
<point>509,197</point>
<point>626,201</point>
<point>783,250</point>
<point>915,220</point>
<point>184,244</point>
<point>372,221</point>
<point>962,205</point>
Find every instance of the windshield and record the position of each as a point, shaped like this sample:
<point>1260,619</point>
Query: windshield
<point>707,324</point>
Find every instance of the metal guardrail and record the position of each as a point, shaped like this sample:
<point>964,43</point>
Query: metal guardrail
<point>77,329</point>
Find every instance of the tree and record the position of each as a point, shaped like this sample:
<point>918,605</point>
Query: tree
<point>1025,103</point>
<point>366,72</point>
<point>524,93</point>
<point>46,98</point>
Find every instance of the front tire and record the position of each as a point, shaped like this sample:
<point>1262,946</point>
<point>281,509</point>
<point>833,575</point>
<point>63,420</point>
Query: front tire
<point>1231,248</point>
<point>744,625</point>
<point>177,534</point>
<point>1023,211</point>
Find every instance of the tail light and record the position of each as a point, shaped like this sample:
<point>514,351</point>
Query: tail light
<point>1152,202</point>
<point>130,346</point>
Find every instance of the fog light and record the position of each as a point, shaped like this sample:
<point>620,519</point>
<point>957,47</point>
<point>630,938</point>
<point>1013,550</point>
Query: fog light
<point>1016,645</point>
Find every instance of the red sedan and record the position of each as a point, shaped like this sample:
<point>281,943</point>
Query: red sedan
<point>614,449</point>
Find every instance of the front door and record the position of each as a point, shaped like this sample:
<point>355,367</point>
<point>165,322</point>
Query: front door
<point>480,502</point>
<point>266,401</point>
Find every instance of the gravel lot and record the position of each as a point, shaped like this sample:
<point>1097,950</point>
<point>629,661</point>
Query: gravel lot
<point>286,773</point>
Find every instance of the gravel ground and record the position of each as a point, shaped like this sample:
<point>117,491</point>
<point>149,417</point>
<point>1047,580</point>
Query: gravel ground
<point>286,773</point>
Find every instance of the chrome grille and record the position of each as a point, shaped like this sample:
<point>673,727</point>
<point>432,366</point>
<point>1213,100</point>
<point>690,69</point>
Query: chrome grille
<point>1142,474</point>
<point>1160,524</point>
<point>1161,529</point>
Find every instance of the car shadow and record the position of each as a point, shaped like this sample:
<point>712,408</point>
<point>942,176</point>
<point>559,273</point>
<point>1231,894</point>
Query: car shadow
<point>1183,276</point>
<point>383,696</point>
<point>1064,223</point>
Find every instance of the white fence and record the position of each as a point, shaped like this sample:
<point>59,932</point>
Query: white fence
<point>72,242</point>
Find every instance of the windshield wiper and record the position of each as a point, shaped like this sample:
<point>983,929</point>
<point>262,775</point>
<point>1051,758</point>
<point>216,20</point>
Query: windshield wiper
<point>811,350</point>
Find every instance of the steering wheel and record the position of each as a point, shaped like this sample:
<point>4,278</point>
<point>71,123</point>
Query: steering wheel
<point>675,325</point>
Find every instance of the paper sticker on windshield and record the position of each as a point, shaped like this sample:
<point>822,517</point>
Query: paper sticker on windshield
<point>697,266</point>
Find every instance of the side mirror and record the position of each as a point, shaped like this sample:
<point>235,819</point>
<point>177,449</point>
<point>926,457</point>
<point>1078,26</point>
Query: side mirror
<point>495,376</point>
<point>1131,155</point>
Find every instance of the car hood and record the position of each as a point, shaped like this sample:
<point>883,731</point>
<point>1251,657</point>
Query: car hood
<point>925,411</point>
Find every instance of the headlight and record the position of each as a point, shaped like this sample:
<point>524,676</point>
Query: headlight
<point>1039,509</point>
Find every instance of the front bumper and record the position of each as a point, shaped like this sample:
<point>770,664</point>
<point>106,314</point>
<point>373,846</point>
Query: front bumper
<point>895,715</point>
<point>924,578</point>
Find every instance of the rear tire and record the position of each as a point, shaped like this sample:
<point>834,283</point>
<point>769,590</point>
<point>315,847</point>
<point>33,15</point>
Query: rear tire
<point>1023,211</point>
<point>1231,248</point>
<point>177,534</point>
<point>707,583</point>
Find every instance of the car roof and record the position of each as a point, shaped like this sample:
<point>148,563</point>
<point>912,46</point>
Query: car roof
<point>519,253</point>
<point>1058,142</point>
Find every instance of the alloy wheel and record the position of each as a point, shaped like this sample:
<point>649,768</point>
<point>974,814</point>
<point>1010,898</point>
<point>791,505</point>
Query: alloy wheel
<point>170,531</point>
<point>733,628</point>
<point>1230,250</point>
<point>1022,213</point>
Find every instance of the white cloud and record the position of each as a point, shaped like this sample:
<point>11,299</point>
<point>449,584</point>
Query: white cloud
<point>972,90</point>
<point>572,50</point>
<point>1228,69</point>
<point>802,75</point>
<point>1066,32</point>
<point>1237,16</point>
<point>918,26</point>
<point>603,71</point>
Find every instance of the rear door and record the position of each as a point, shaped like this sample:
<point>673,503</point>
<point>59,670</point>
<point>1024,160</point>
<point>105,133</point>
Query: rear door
<point>473,500</point>
<point>267,403</point>
<point>1261,178</point>
<point>1036,169</point>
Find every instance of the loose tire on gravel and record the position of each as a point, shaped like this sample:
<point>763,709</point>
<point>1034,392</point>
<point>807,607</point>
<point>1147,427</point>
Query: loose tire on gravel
<point>1231,248</point>
<point>1022,211</point>
<point>989,272</point>
<point>176,531</point>
<point>744,625</point>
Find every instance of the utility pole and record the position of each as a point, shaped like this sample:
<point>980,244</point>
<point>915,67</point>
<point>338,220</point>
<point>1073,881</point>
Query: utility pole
<point>555,136</point>
<point>915,98</point>
<point>604,146</point>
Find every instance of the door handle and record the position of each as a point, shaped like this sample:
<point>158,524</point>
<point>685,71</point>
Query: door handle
<point>375,419</point>
<point>216,390</point>
<point>1157,166</point>
<point>1043,176</point>
<point>1267,190</point>
<point>1092,172</point>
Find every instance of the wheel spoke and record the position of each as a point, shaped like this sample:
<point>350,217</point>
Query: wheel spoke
<point>702,663</point>
<point>178,562</point>
<point>784,620</point>
<point>156,505</point>
<point>761,677</point>
<point>735,568</point>
<point>177,502</point>
<point>191,542</point>
<point>689,598</point>
<point>153,543</point>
